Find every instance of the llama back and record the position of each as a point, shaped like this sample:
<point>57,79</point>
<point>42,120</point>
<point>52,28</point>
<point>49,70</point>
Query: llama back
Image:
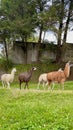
<point>56,76</point>
<point>43,77</point>
<point>25,76</point>
<point>61,77</point>
<point>7,78</point>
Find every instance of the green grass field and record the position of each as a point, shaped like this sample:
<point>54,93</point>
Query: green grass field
<point>36,109</point>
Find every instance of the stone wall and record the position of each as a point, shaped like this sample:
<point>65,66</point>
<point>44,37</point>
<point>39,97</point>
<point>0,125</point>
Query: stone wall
<point>27,53</point>
<point>67,52</point>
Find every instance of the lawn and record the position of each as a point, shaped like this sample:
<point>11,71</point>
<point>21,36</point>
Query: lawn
<point>36,109</point>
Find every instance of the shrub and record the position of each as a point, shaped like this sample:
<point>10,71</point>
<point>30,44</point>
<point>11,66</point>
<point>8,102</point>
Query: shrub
<point>4,64</point>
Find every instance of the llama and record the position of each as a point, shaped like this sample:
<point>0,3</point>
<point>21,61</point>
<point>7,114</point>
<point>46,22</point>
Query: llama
<point>59,76</point>
<point>25,77</point>
<point>43,79</point>
<point>8,78</point>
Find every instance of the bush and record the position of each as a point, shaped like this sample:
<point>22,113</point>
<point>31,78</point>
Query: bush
<point>4,64</point>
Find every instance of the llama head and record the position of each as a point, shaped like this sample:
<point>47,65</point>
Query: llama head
<point>69,63</point>
<point>33,68</point>
<point>14,70</point>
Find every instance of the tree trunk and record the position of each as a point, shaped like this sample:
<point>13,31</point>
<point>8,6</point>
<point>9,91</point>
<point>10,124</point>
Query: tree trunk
<point>39,44</point>
<point>26,53</point>
<point>59,46</point>
<point>59,54</point>
<point>24,39</point>
<point>67,22</point>
<point>59,50</point>
<point>6,51</point>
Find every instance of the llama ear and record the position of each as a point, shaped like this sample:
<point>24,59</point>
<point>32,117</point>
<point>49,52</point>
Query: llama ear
<point>60,69</point>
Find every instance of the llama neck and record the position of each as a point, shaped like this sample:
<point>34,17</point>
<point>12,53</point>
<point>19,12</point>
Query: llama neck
<point>30,72</point>
<point>67,70</point>
<point>12,73</point>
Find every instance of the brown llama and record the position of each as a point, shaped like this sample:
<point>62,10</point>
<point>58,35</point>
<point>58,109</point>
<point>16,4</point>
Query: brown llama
<point>59,76</point>
<point>25,77</point>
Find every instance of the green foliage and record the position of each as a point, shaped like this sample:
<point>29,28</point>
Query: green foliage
<point>17,17</point>
<point>49,46</point>
<point>4,64</point>
<point>22,17</point>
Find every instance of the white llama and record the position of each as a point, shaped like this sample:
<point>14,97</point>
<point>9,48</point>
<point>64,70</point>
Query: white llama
<point>43,79</point>
<point>8,78</point>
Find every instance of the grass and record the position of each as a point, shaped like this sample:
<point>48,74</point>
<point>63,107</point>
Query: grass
<point>36,109</point>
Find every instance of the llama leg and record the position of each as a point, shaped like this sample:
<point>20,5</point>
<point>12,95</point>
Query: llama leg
<point>3,84</point>
<point>49,85</point>
<point>38,85</point>
<point>62,86</point>
<point>26,85</point>
<point>52,85</point>
<point>59,85</point>
<point>8,85</point>
<point>43,85</point>
<point>20,85</point>
<point>46,84</point>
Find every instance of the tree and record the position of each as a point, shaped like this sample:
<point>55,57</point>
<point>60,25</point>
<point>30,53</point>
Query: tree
<point>63,28</point>
<point>20,18</point>
<point>63,15</point>
<point>16,20</point>
<point>41,6</point>
<point>59,46</point>
<point>4,33</point>
<point>5,23</point>
<point>69,19</point>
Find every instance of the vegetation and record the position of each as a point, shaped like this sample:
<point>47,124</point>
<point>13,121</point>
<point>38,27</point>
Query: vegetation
<point>16,17</point>
<point>4,65</point>
<point>36,109</point>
